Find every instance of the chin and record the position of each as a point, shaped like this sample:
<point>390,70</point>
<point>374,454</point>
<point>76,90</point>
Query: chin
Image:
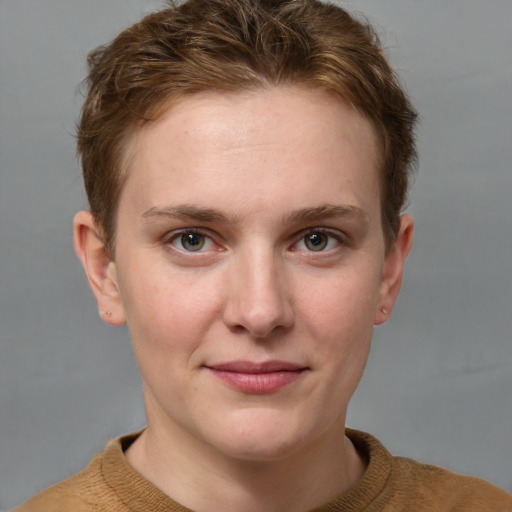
<point>261,437</point>
<point>261,450</point>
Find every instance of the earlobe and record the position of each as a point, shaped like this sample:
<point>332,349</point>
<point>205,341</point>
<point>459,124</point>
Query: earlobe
<point>99,268</point>
<point>392,274</point>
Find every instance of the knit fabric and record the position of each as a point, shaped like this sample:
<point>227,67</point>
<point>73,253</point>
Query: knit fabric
<point>390,484</point>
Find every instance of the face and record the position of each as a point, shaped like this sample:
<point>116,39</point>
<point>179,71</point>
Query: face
<point>250,267</point>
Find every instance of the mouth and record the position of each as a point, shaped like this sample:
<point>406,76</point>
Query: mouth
<point>257,378</point>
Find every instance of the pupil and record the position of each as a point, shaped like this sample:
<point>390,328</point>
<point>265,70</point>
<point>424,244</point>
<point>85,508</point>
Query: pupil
<point>316,240</point>
<point>192,241</point>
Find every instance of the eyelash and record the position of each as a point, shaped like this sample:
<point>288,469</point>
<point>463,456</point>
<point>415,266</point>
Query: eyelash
<point>338,237</point>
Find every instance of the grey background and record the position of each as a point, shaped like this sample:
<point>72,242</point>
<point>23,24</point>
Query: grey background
<point>438,384</point>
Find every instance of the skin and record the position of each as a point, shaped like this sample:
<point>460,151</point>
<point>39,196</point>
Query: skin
<point>257,179</point>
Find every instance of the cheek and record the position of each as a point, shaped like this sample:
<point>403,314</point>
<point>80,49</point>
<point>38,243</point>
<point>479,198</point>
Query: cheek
<point>339,317</point>
<point>342,303</point>
<point>169,311</point>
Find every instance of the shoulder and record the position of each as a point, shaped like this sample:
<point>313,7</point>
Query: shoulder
<point>86,491</point>
<point>398,483</point>
<point>427,485</point>
<point>76,493</point>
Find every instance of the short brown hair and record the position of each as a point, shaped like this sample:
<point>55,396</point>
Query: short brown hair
<point>235,45</point>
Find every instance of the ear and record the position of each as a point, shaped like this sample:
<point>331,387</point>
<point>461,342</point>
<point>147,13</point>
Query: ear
<point>393,270</point>
<point>99,268</point>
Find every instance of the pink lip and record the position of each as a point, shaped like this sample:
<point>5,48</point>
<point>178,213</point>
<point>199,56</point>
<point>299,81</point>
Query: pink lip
<point>257,378</point>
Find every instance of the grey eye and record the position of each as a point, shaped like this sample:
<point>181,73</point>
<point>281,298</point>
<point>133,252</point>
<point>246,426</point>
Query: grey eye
<point>192,241</point>
<point>316,241</point>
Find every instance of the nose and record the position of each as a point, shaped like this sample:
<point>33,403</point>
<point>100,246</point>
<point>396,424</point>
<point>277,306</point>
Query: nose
<point>259,300</point>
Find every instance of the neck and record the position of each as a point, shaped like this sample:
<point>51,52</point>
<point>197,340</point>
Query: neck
<point>205,480</point>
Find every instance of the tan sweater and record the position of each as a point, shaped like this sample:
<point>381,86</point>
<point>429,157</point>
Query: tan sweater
<point>390,483</point>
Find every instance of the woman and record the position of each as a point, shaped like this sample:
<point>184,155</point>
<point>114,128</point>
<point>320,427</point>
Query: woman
<point>246,165</point>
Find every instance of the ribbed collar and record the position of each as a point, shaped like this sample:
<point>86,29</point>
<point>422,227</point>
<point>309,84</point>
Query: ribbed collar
<point>140,495</point>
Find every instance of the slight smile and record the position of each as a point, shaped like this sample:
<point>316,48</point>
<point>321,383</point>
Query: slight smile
<point>257,378</point>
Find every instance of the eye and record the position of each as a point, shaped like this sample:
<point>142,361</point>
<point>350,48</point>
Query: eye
<point>192,241</point>
<point>317,241</point>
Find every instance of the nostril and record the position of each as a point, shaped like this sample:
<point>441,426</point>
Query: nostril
<point>238,329</point>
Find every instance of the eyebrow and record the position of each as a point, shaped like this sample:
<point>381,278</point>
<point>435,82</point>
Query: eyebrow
<point>327,211</point>
<point>186,211</point>
<point>309,214</point>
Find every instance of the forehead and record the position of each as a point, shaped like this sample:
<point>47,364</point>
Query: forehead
<point>297,107</point>
<point>302,141</point>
